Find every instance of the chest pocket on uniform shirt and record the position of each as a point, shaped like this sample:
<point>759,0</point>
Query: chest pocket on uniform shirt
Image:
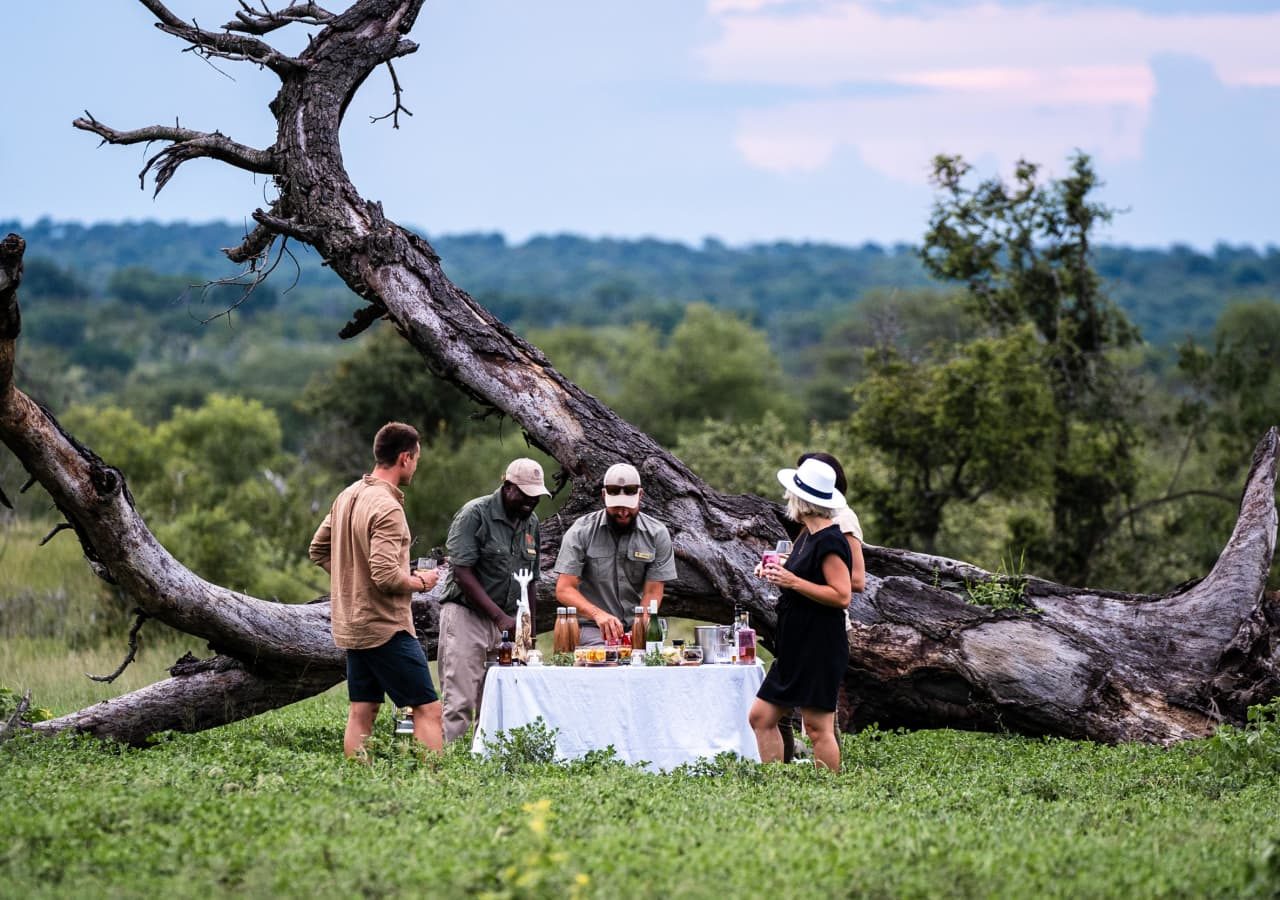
<point>639,557</point>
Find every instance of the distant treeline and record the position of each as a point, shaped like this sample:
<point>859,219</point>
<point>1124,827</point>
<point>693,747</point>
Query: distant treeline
<point>789,289</point>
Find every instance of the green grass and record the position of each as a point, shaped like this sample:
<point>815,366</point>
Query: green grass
<point>269,807</point>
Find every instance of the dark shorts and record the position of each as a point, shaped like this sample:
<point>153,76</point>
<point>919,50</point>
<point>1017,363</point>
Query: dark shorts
<point>398,668</point>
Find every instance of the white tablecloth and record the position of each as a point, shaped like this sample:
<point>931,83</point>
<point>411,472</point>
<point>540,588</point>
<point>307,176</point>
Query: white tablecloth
<point>661,715</point>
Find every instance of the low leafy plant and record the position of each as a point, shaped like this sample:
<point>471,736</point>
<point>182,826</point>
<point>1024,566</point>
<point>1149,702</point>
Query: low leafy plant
<point>526,745</point>
<point>654,658</point>
<point>1005,589</point>
<point>1234,753</point>
<point>9,701</point>
<point>561,659</point>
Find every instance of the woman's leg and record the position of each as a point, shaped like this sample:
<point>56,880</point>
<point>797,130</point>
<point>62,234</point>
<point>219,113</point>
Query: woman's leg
<point>763,719</point>
<point>820,725</point>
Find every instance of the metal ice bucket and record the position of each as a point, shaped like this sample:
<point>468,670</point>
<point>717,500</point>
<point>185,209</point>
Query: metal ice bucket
<point>714,641</point>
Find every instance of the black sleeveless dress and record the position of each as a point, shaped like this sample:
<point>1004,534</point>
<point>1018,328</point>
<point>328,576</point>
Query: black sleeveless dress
<point>812,649</point>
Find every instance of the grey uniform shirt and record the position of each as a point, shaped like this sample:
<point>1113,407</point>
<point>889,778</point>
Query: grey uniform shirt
<point>482,538</point>
<point>614,567</point>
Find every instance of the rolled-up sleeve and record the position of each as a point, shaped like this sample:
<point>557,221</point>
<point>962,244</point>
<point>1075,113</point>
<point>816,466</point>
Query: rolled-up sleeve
<point>321,544</point>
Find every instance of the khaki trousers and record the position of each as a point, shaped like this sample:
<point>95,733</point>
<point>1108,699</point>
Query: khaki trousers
<point>466,638</point>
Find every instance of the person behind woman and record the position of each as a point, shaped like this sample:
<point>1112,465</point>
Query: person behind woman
<point>812,651</point>
<point>847,520</point>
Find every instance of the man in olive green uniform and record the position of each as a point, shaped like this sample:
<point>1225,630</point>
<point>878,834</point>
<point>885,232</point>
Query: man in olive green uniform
<point>490,539</point>
<point>613,560</point>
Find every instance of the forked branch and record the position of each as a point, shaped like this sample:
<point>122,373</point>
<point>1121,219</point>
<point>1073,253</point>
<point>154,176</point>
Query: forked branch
<point>253,21</point>
<point>222,44</point>
<point>187,144</point>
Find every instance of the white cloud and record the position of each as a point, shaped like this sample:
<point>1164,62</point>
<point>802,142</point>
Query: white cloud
<point>1032,82</point>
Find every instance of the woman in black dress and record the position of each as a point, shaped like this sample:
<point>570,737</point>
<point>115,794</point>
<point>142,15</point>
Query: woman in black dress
<point>812,649</point>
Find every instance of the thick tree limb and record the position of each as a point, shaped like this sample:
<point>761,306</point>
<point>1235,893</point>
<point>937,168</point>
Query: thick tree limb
<point>187,145</point>
<point>223,691</point>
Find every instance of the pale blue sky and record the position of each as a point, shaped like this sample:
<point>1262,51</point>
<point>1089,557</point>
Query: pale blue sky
<point>745,120</point>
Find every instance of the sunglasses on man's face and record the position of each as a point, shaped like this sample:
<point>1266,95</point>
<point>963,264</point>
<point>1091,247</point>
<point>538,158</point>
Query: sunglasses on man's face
<point>614,490</point>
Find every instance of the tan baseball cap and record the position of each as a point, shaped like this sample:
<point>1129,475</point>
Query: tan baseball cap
<point>622,476</point>
<point>526,474</point>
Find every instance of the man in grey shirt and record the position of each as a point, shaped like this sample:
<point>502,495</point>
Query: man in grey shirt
<point>614,560</point>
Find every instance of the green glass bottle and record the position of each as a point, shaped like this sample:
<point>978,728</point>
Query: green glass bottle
<point>653,634</point>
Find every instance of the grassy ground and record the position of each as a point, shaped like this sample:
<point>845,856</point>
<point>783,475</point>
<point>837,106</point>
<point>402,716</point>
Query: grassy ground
<point>268,806</point>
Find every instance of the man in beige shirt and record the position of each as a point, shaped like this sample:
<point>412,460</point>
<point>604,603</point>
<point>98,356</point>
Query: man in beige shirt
<point>363,543</point>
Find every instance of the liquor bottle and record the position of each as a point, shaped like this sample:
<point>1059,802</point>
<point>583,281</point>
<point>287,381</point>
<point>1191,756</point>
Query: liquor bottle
<point>637,630</point>
<point>746,641</point>
<point>506,649</point>
<point>653,634</point>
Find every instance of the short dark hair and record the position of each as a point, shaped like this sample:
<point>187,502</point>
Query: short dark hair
<point>841,485</point>
<point>393,439</point>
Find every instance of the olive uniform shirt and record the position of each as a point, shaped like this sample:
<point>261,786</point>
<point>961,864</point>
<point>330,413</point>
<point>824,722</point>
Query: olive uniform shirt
<point>614,566</point>
<point>485,540</point>
<point>365,541</point>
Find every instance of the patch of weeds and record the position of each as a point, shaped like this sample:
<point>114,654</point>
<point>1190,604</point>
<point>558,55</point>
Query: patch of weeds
<point>9,701</point>
<point>528,745</point>
<point>1241,753</point>
<point>540,871</point>
<point>1005,589</point>
<point>1264,872</point>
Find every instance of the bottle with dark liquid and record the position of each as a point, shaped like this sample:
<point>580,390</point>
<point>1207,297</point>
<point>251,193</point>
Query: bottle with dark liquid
<point>506,650</point>
<point>560,635</point>
<point>637,630</point>
<point>574,631</point>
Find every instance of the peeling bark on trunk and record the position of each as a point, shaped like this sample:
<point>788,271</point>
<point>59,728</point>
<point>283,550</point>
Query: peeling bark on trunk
<point>1087,663</point>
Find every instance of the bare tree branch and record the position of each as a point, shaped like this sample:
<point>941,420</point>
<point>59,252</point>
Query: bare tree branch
<point>222,44</point>
<point>133,650</point>
<point>306,233</point>
<point>61,526</point>
<point>252,21</point>
<point>394,115</point>
<point>361,319</point>
<point>256,275</point>
<point>187,145</point>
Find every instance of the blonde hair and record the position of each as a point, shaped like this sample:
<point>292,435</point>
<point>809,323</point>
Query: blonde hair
<point>799,509</point>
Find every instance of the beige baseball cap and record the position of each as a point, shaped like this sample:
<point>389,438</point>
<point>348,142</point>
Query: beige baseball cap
<point>622,477</point>
<point>526,474</point>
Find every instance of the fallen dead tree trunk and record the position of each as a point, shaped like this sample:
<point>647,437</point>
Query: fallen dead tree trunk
<point>1095,664</point>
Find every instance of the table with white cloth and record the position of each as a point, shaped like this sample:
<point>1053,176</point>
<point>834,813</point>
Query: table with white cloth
<point>661,715</point>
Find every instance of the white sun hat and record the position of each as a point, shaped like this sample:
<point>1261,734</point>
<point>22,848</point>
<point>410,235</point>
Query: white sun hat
<point>814,481</point>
